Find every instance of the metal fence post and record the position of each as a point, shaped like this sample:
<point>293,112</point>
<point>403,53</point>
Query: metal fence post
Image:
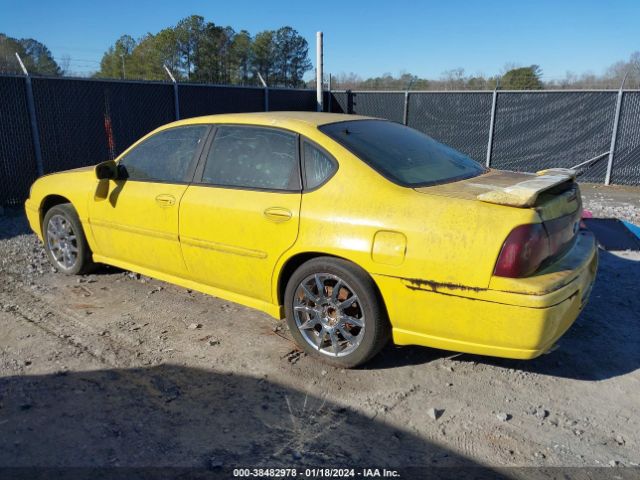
<point>176,100</point>
<point>329,95</point>
<point>405,115</point>
<point>614,135</point>
<point>492,122</point>
<point>176,97</point>
<point>35,133</point>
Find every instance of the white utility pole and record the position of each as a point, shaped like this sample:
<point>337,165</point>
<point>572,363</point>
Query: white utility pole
<point>266,92</point>
<point>176,94</point>
<point>31,107</point>
<point>319,98</point>
<point>24,69</point>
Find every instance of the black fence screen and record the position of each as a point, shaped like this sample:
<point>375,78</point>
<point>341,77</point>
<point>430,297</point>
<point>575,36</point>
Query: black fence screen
<point>340,102</point>
<point>198,100</point>
<point>389,105</point>
<point>457,119</point>
<point>288,100</point>
<point>626,162</point>
<point>531,130</point>
<point>17,158</point>
<point>84,121</point>
<point>534,131</point>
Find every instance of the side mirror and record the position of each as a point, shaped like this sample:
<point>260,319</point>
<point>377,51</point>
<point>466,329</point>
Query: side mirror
<point>107,170</point>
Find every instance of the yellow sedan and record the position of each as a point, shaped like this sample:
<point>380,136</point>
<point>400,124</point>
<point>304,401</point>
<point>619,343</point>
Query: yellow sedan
<point>357,230</point>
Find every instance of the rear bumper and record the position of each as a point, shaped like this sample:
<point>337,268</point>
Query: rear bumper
<point>521,323</point>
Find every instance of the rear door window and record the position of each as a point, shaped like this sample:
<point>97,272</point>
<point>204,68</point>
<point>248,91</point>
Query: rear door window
<point>318,166</point>
<point>253,157</point>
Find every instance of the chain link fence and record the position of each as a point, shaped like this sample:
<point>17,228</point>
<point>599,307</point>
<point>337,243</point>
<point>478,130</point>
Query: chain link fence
<point>84,121</point>
<point>198,100</point>
<point>534,131</point>
<point>458,119</point>
<point>53,124</point>
<point>281,99</point>
<point>520,130</point>
<point>17,157</point>
<point>626,166</point>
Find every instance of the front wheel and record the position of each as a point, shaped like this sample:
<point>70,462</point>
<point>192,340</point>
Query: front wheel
<point>334,312</point>
<point>64,240</point>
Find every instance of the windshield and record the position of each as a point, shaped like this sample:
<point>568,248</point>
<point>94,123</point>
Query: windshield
<point>402,154</point>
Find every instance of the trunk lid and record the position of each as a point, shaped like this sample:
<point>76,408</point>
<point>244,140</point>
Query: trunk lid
<point>552,193</point>
<point>526,193</point>
<point>507,188</point>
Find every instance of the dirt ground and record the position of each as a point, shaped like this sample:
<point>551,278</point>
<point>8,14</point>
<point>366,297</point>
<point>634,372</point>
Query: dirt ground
<point>108,370</point>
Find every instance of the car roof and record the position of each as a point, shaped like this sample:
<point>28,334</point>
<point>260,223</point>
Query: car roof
<point>289,120</point>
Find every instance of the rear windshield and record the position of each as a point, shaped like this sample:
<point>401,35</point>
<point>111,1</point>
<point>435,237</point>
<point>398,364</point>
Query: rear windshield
<point>402,154</point>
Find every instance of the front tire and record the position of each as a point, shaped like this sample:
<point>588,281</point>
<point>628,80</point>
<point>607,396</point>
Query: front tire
<point>335,313</point>
<point>64,240</point>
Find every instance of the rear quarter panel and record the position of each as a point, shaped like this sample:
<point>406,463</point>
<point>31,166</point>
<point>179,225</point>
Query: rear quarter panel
<point>446,239</point>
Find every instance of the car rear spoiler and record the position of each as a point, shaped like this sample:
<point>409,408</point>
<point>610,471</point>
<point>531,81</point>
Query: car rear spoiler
<point>525,194</point>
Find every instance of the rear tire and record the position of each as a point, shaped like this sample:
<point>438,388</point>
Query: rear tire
<point>64,241</point>
<point>335,313</point>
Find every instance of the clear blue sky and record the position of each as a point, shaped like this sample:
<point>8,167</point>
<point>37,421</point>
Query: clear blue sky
<point>369,38</point>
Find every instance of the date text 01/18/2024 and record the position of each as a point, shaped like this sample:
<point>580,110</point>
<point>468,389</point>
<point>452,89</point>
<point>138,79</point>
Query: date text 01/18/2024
<point>315,473</point>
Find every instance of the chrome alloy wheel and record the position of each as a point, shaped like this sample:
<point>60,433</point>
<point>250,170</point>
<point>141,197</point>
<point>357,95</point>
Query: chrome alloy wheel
<point>62,243</point>
<point>328,314</point>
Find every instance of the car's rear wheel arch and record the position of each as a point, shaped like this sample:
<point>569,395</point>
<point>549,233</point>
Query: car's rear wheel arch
<point>359,341</point>
<point>297,260</point>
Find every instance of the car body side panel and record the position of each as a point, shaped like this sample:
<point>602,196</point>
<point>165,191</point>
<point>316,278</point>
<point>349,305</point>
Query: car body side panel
<point>232,238</point>
<point>446,240</point>
<point>137,222</point>
<point>497,323</point>
<point>431,253</point>
<point>266,307</point>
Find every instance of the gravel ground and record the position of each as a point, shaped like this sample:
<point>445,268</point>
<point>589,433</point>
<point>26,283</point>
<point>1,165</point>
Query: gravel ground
<point>614,201</point>
<point>115,369</point>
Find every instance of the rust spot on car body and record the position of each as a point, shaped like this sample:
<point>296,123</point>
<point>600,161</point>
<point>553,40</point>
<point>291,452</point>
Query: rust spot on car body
<point>442,287</point>
<point>437,287</point>
<point>432,285</point>
<point>419,284</point>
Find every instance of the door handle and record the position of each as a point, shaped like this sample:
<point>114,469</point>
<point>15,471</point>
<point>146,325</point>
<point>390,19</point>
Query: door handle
<point>278,214</point>
<point>165,200</point>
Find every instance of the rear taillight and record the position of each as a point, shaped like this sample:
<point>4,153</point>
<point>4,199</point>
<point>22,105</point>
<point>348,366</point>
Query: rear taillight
<point>526,247</point>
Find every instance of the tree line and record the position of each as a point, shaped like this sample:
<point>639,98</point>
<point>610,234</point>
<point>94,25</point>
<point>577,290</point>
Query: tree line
<point>512,77</point>
<point>37,58</point>
<point>199,51</point>
<point>195,50</point>
<point>517,78</point>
